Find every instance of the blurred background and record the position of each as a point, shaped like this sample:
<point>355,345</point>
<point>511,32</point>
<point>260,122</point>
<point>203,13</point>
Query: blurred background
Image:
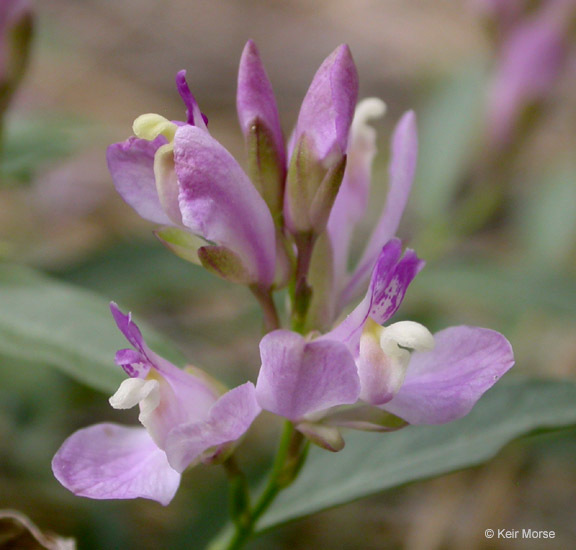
<point>493,212</point>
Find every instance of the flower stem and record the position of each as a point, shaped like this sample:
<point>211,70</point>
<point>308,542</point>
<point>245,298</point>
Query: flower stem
<point>264,297</point>
<point>302,292</point>
<point>287,463</point>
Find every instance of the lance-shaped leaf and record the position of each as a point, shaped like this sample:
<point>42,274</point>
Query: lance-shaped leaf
<point>43,321</point>
<point>371,463</point>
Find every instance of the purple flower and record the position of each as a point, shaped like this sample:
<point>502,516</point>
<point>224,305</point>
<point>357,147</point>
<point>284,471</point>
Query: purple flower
<point>389,374</point>
<point>186,418</point>
<point>177,175</point>
<point>535,52</point>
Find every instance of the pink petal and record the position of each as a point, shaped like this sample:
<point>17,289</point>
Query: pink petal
<point>328,107</point>
<point>390,280</point>
<point>227,421</point>
<point>444,384</point>
<point>299,377</point>
<point>131,165</point>
<point>218,202</point>
<point>108,461</point>
<point>255,99</point>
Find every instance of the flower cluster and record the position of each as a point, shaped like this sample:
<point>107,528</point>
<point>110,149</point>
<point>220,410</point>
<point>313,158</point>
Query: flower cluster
<point>287,221</point>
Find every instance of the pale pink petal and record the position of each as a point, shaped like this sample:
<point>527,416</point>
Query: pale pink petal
<point>219,202</point>
<point>444,384</point>
<point>108,461</point>
<point>131,165</point>
<point>226,422</point>
<point>299,377</point>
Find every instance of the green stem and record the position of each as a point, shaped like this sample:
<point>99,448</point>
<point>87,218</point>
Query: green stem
<point>302,292</point>
<point>264,297</point>
<point>287,464</point>
<point>239,493</point>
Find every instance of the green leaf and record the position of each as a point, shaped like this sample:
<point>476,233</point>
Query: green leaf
<point>43,321</point>
<point>31,144</point>
<point>373,462</point>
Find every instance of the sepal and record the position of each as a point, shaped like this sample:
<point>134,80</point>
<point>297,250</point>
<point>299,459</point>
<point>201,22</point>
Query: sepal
<point>311,188</point>
<point>326,437</point>
<point>182,243</point>
<point>366,418</point>
<point>226,264</point>
<point>266,167</point>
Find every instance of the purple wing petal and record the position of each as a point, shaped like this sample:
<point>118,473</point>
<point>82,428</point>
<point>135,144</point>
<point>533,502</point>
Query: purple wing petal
<point>185,398</point>
<point>328,107</point>
<point>388,286</point>
<point>128,327</point>
<point>131,165</point>
<point>228,420</point>
<point>135,365</point>
<point>108,461</point>
<point>404,155</point>
<point>298,377</point>
<point>444,384</point>
<point>390,279</point>
<point>193,114</point>
<point>218,202</point>
<point>255,99</point>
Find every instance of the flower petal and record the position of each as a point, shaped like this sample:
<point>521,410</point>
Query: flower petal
<point>193,114</point>
<point>218,202</point>
<point>444,384</point>
<point>255,99</point>
<point>352,199</point>
<point>181,396</point>
<point>131,165</point>
<point>228,420</point>
<point>390,279</point>
<point>298,377</point>
<point>108,461</point>
<point>388,286</point>
<point>328,107</point>
<point>404,155</point>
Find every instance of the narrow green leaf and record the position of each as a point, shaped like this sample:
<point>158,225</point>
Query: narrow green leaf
<point>43,321</point>
<point>373,462</point>
<point>30,144</point>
